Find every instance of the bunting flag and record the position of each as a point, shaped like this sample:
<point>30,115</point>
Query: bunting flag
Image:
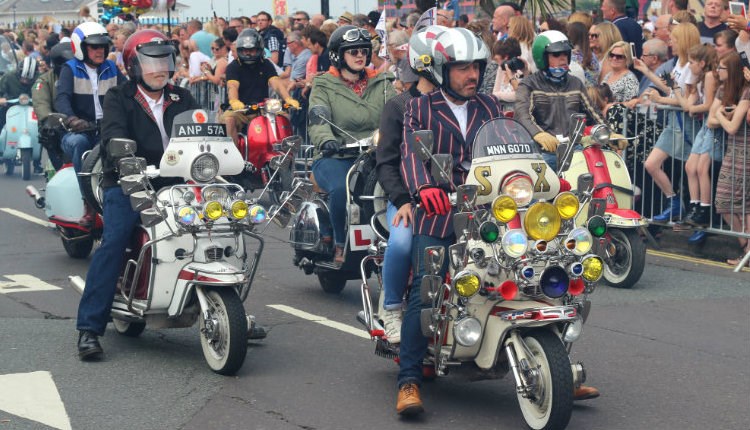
<point>427,19</point>
<point>381,30</point>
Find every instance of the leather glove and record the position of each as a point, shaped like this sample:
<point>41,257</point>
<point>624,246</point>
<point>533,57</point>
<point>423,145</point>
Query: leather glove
<point>547,141</point>
<point>620,144</point>
<point>434,201</point>
<point>236,105</point>
<point>329,148</point>
<point>77,125</point>
<point>291,102</point>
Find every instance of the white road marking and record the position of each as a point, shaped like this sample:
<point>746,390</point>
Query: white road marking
<point>34,396</point>
<point>26,217</point>
<point>25,283</point>
<point>322,320</point>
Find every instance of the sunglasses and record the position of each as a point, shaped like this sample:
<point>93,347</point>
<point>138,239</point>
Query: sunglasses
<point>616,56</point>
<point>299,19</point>
<point>359,51</point>
<point>593,35</point>
<point>356,34</point>
<point>213,48</point>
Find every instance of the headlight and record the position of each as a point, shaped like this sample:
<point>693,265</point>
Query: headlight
<point>467,331</point>
<point>542,221</point>
<point>579,241</point>
<point>239,209</point>
<point>514,243</point>
<point>504,208</point>
<point>186,215</point>
<point>567,205</point>
<point>600,134</point>
<point>593,268</point>
<point>273,106</point>
<point>257,214</point>
<point>466,283</point>
<point>554,282</point>
<point>519,187</point>
<point>489,232</point>
<point>213,210</point>
<point>215,193</point>
<point>205,167</point>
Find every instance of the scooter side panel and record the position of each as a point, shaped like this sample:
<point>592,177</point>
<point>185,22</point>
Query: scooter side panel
<point>63,196</point>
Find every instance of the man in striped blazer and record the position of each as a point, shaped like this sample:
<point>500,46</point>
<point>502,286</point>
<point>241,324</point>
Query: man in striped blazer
<point>454,113</point>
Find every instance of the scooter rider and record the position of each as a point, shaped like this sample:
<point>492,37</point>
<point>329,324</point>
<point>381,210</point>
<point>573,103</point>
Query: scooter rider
<point>12,85</point>
<point>546,99</point>
<point>396,262</point>
<point>141,109</point>
<point>355,95</point>
<point>83,82</point>
<point>248,81</point>
<point>454,114</point>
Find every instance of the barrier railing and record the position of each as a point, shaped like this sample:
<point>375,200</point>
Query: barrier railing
<point>208,95</point>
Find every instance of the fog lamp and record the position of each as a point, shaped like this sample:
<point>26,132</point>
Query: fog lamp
<point>567,205</point>
<point>554,282</point>
<point>514,243</point>
<point>504,208</point>
<point>213,210</point>
<point>239,209</point>
<point>466,283</point>
<point>542,221</point>
<point>593,268</point>
<point>467,331</point>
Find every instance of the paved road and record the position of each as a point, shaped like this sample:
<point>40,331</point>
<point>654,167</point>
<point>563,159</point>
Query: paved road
<point>670,354</point>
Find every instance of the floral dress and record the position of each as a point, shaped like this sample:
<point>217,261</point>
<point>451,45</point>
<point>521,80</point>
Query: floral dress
<point>623,89</point>
<point>619,117</point>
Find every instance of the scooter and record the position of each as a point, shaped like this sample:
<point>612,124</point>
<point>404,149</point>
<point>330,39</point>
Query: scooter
<point>625,251</point>
<point>63,203</point>
<point>189,259</point>
<point>520,272</point>
<point>306,207</point>
<point>261,149</point>
<point>19,139</point>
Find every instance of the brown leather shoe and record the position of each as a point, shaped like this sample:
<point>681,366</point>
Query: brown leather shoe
<point>584,392</point>
<point>338,255</point>
<point>409,402</point>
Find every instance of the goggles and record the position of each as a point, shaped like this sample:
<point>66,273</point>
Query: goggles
<point>356,34</point>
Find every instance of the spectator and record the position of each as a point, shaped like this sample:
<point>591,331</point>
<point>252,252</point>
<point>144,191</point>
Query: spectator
<point>378,63</point>
<point>684,16</point>
<point>521,29</point>
<point>236,24</point>
<point>631,32</point>
<point>550,23</point>
<point>724,42</point>
<point>215,70</point>
<point>581,54</point>
<point>501,20</point>
<point>711,24</point>
<point>675,6</point>
<point>112,29</point>
<point>85,14</point>
<point>481,28</point>
<point>581,17</point>
<point>620,79</point>
<point>655,53</point>
<point>301,18</point>
<point>300,56</point>
<point>273,38</point>
<point>411,22</point>
<point>398,51</point>
<point>506,80</point>
<point>328,28</point>
<point>317,20</point>
<point>732,197</point>
<point>230,36</point>
<point>445,18</point>
<point>202,38</point>
<point>463,20</point>
<point>319,63</point>
<point>454,9</point>
<point>346,18</point>
<point>195,61</point>
<point>601,37</point>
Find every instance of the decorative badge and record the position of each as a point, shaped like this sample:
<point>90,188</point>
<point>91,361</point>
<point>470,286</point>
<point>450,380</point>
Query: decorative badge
<point>258,129</point>
<point>171,157</point>
<point>200,116</point>
<point>174,97</point>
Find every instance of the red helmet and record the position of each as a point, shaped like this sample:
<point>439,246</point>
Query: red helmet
<point>148,51</point>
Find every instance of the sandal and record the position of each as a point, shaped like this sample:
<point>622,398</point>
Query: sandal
<point>735,261</point>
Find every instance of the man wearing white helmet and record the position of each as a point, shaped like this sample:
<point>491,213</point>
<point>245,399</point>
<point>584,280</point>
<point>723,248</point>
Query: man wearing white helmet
<point>546,99</point>
<point>454,114</point>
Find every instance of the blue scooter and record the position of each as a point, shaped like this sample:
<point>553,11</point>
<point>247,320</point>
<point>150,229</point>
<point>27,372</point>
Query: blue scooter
<point>19,139</point>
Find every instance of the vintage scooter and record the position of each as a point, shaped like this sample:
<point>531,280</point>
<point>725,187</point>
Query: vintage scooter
<point>189,259</point>
<point>261,149</point>
<point>516,294</point>
<point>306,207</point>
<point>19,139</point>
<point>63,203</point>
<point>625,251</point>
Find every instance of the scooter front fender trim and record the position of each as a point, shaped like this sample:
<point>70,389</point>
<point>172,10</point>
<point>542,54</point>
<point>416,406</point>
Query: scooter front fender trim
<point>618,221</point>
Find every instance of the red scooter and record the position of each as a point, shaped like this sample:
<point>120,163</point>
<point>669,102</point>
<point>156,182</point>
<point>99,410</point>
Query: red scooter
<point>268,163</point>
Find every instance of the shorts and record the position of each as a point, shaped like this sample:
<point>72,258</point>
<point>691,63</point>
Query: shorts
<point>673,141</point>
<point>241,119</point>
<point>705,142</point>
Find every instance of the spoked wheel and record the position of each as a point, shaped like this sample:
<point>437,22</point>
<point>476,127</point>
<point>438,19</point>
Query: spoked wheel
<point>129,329</point>
<point>550,405</point>
<point>91,185</point>
<point>26,164</point>
<point>626,258</point>
<point>75,246</point>
<point>224,334</point>
<point>331,281</point>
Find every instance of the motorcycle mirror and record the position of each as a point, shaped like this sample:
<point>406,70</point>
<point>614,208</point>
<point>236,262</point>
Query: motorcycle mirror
<point>466,196</point>
<point>597,207</point>
<point>585,183</point>
<point>441,168</point>
<point>425,322</point>
<point>429,287</point>
<point>131,166</point>
<point>564,155</point>
<point>150,217</point>
<point>141,200</point>
<point>461,222</point>
<point>421,142</point>
<point>433,259</point>
<point>291,142</point>
<point>319,114</point>
<point>457,255</point>
<point>132,183</point>
<point>119,147</point>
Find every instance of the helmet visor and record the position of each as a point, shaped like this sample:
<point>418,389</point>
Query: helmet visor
<point>163,63</point>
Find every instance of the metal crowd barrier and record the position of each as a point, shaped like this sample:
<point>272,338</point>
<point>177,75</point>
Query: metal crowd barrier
<point>208,95</point>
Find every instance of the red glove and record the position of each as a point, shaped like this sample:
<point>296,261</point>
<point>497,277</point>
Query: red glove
<point>434,201</point>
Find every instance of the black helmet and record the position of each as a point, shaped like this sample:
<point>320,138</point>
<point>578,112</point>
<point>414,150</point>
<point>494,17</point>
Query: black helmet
<point>249,39</point>
<point>347,37</point>
<point>59,55</point>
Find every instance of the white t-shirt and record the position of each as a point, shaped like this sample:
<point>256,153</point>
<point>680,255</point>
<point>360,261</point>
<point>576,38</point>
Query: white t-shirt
<point>683,76</point>
<point>196,59</point>
<point>94,78</point>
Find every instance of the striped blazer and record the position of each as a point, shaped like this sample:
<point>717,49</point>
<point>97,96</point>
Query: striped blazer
<point>432,112</point>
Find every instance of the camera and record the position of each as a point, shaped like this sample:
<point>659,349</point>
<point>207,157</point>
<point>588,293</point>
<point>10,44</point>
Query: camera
<point>514,64</point>
<point>667,79</point>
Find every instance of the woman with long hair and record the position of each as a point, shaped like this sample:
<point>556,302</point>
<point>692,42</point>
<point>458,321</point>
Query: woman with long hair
<point>582,54</point>
<point>215,70</point>
<point>521,29</point>
<point>601,37</point>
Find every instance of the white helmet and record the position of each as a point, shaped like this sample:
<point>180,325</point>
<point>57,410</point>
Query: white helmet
<point>420,50</point>
<point>28,70</point>
<point>88,33</point>
<point>457,45</point>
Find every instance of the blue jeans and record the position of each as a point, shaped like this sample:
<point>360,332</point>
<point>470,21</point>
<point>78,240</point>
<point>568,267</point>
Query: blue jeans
<point>551,159</point>
<point>106,265</point>
<point>396,261</point>
<point>330,174</point>
<point>75,144</point>
<point>413,344</point>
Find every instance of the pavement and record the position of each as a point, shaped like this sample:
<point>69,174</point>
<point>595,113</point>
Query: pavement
<point>715,247</point>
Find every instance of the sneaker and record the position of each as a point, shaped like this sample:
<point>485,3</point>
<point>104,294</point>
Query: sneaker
<point>700,217</point>
<point>673,212</point>
<point>409,401</point>
<point>392,322</point>
<point>698,237</point>
<point>691,210</point>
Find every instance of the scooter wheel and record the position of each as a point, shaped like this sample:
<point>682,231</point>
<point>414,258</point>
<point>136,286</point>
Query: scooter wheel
<point>129,329</point>
<point>77,248</point>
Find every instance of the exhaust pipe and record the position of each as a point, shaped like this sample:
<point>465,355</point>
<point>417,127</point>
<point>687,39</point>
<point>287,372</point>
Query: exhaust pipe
<point>77,283</point>
<point>36,196</point>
